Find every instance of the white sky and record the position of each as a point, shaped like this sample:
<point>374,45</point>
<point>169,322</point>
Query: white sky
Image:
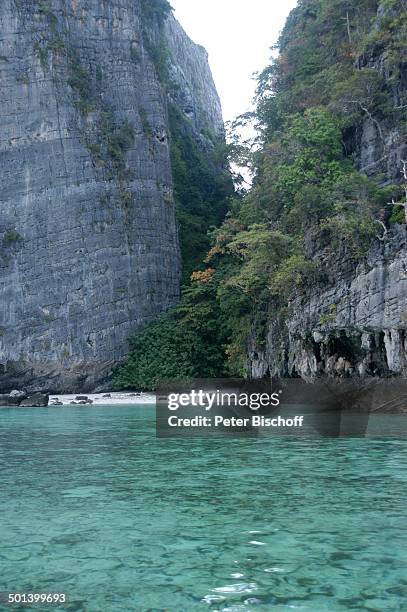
<point>238,35</point>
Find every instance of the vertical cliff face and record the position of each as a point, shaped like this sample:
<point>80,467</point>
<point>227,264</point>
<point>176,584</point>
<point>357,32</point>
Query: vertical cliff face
<point>195,93</point>
<point>381,140</point>
<point>88,236</point>
<point>354,323</point>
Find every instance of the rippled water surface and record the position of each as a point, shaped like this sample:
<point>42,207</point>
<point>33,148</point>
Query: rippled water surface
<point>91,504</point>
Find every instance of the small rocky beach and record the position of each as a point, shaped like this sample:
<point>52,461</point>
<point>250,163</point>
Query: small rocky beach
<point>40,399</point>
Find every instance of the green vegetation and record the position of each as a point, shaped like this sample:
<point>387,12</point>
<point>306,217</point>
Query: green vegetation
<point>308,205</point>
<point>126,197</point>
<point>81,83</point>
<point>202,187</point>
<point>56,44</point>
<point>159,55</point>
<point>179,344</point>
<point>327,318</point>
<point>145,124</point>
<point>11,237</point>
<point>155,11</point>
<point>106,138</point>
<point>41,50</point>
<point>23,78</point>
<point>108,145</point>
<point>189,340</point>
<point>398,215</point>
<point>117,140</point>
<point>44,7</point>
<point>51,39</point>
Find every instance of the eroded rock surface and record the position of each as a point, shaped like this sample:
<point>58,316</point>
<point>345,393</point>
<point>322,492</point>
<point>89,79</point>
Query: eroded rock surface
<point>357,325</point>
<point>88,237</point>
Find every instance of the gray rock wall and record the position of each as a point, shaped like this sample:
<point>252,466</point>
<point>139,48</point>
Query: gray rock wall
<point>356,326</point>
<point>382,143</point>
<point>196,93</point>
<point>88,237</point>
<point>356,323</point>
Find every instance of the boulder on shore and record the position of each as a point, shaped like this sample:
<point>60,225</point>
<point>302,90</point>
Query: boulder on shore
<point>37,400</point>
<point>20,395</point>
<point>7,400</point>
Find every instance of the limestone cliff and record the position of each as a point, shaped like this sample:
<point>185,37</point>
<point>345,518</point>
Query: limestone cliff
<point>380,142</point>
<point>88,236</point>
<point>354,322</point>
<point>353,325</point>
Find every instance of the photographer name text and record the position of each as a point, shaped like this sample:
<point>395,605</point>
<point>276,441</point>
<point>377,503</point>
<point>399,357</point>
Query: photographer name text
<point>220,421</point>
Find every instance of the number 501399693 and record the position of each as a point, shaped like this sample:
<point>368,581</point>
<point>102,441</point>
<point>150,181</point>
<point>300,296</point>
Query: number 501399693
<point>33,598</point>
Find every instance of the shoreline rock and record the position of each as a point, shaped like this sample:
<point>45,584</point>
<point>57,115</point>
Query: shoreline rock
<point>7,400</point>
<point>21,398</point>
<point>40,399</point>
<point>37,400</point>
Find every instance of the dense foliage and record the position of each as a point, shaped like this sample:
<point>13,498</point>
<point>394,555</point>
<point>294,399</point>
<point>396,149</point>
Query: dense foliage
<point>201,188</point>
<point>307,196</point>
<point>202,183</point>
<point>155,11</point>
<point>181,343</point>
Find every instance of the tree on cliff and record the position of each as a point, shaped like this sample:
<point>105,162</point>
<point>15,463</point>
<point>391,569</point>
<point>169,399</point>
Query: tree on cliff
<point>308,202</point>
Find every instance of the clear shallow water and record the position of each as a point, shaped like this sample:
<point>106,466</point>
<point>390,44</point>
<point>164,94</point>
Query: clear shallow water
<point>91,504</point>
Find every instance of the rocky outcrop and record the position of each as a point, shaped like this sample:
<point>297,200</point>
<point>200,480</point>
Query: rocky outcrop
<point>8,400</point>
<point>355,322</point>
<point>37,400</point>
<point>88,236</point>
<point>354,325</point>
<point>20,398</point>
<point>381,139</point>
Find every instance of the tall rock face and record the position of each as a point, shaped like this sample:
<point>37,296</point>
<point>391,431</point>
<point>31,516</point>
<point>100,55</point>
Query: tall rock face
<point>195,93</point>
<point>381,141</point>
<point>355,322</point>
<point>356,325</point>
<point>88,236</point>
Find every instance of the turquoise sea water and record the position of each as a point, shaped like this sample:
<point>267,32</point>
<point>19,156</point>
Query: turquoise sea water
<point>92,504</point>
